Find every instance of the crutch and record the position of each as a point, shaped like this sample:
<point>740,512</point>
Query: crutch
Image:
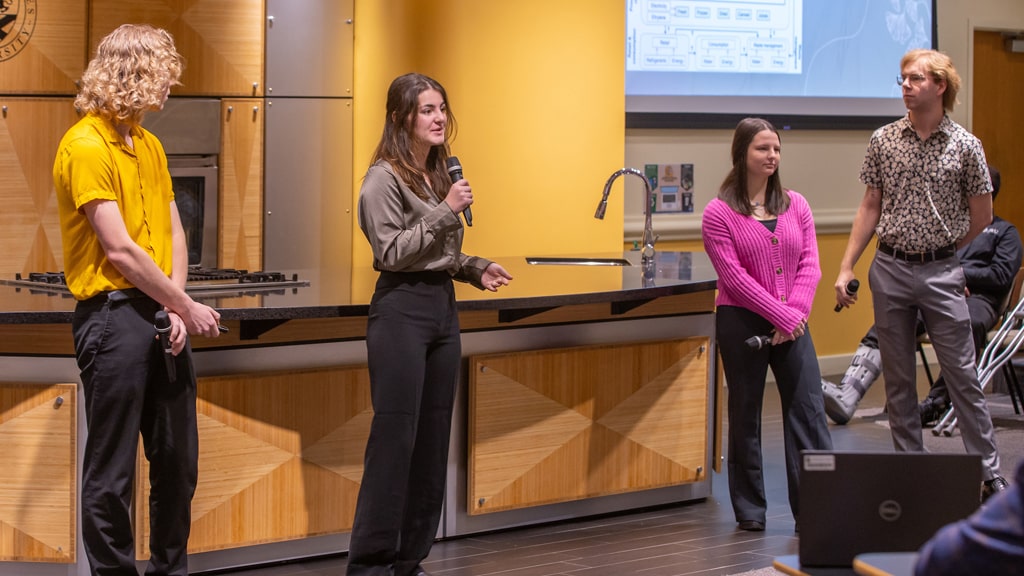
<point>1000,349</point>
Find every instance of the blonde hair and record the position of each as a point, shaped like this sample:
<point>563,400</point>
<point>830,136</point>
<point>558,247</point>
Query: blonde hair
<point>133,67</point>
<point>940,66</point>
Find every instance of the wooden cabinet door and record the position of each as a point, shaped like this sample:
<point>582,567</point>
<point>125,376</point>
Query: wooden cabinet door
<point>241,184</point>
<point>38,478</point>
<point>221,40</point>
<point>550,426</point>
<point>42,46</point>
<point>30,130</point>
<point>280,458</point>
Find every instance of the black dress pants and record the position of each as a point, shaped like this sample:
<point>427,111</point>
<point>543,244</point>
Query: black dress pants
<point>127,391</point>
<point>798,377</point>
<point>414,351</point>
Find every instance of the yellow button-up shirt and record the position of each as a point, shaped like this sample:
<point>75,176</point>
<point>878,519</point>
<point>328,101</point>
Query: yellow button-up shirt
<point>94,163</point>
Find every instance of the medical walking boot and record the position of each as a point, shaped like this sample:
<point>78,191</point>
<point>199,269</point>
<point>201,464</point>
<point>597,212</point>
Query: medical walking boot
<point>841,401</point>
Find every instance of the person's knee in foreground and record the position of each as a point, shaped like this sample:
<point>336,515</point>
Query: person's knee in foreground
<point>761,240</point>
<point>126,262</point>
<point>989,264</point>
<point>927,194</point>
<point>409,212</point>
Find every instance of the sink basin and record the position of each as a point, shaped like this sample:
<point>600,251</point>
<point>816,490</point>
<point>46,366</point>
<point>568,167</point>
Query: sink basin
<point>571,261</point>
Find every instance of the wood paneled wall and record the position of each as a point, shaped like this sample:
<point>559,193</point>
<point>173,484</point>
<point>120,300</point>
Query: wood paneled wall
<point>221,40</point>
<point>30,129</point>
<point>241,184</point>
<point>44,52</point>
<point>280,458</point>
<point>43,46</point>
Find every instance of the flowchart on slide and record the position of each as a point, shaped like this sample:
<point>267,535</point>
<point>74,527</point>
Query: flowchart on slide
<point>715,36</point>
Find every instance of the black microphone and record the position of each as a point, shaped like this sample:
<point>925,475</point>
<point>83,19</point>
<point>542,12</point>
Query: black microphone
<point>758,342</point>
<point>455,173</point>
<point>162,323</point>
<point>851,289</point>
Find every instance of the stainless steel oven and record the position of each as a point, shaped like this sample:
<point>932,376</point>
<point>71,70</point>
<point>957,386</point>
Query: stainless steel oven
<point>189,129</point>
<point>194,179</point>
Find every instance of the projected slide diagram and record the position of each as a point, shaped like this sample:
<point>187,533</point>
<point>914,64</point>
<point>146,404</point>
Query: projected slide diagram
<point>714,36</point>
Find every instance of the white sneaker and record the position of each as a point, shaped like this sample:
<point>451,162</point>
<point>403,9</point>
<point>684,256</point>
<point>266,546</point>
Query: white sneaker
<point>840,401</point>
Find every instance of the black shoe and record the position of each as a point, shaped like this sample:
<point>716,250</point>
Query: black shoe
<point>931,409</point>
<point>990,487</point>
<point>752,526</point>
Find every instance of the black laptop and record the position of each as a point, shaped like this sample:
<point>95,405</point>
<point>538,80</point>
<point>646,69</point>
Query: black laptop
<point>857,502</point>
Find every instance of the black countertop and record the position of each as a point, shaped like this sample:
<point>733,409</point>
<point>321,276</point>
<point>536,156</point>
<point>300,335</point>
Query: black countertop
<point>533,286</point>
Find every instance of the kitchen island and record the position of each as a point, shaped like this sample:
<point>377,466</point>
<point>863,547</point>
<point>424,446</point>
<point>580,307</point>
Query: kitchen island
<point>585,390</point>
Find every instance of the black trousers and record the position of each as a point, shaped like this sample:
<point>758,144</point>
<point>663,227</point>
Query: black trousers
<point>795,365</point>
<point>414,352</point>
<point>127,391</point>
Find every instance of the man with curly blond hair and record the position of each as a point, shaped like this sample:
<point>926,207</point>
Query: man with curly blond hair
<point>126,263</point>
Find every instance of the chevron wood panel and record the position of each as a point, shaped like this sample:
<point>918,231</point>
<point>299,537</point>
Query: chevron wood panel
<point>280,458</point>
<point>38,478</point>
<point>241,184</point>
<point>30,130</point>
<point>221,40</point>
<point>42,46</point>
<point>559,425</point>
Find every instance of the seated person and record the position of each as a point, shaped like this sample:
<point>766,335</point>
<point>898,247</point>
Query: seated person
<point>990,541</point>
<point>989,262</point>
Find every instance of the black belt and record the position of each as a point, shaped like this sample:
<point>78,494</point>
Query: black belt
<point>921,257</point>
<point>117,296</point>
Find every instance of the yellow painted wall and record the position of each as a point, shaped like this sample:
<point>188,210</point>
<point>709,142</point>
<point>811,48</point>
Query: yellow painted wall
<point>540,107</point>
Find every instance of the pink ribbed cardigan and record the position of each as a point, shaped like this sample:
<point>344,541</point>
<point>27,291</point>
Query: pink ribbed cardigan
<point>773,274</point>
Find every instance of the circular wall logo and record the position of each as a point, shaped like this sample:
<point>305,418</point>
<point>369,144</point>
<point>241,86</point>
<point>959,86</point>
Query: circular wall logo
<point>17,22</point>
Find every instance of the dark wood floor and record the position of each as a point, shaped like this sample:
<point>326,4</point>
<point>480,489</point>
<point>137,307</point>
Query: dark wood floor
<point>697,538</point>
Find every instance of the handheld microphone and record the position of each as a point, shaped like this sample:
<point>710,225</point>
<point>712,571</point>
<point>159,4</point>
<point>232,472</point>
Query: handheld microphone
<point>758,342</point>
<point>162,323</point>
<point>455,173</point>
<point>851,289</point>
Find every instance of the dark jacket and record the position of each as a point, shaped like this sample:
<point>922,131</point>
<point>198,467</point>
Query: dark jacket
<point>991,261</point>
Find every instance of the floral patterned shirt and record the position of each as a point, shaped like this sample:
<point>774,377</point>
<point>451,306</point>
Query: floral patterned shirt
<point>925,184</point>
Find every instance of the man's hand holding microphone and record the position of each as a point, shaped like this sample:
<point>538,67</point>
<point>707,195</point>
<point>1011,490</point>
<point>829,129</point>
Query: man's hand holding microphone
<point>172,330</point>
<point>846,291</point>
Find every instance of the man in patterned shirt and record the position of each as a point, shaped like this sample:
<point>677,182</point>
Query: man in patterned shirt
<point>928,193</point>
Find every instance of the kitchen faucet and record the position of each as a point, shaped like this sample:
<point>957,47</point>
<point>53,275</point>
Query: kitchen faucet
<point>647,254</point>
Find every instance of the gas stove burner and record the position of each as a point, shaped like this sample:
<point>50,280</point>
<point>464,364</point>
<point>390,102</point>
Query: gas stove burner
<point>200,280</point>
<point>45,277</point>
<point>260,277</point>
<point>197,274</point>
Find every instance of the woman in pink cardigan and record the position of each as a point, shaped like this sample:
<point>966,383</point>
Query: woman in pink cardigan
<point>760,238</point>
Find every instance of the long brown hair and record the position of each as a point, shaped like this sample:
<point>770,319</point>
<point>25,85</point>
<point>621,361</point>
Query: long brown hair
<point>396,142</point>
<point>733,190</point>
